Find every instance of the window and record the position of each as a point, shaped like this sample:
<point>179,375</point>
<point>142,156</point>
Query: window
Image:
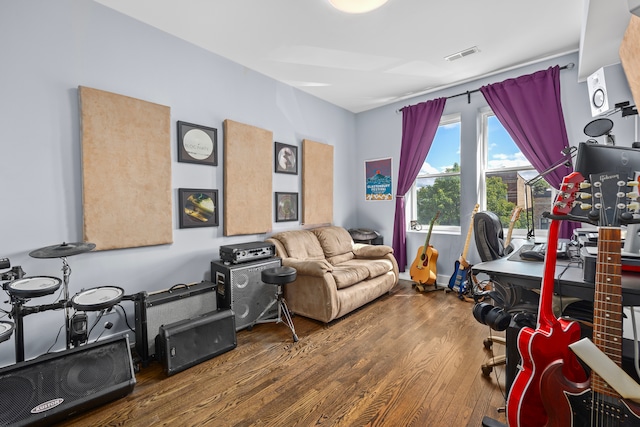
<point>437,187</point>
<point>506,171</point>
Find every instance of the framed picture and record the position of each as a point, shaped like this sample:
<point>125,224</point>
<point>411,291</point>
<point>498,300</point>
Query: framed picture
<point>197,144</point>
<point>286,207</point>
<point>198,208</point>
<point>286,158</point>
<point>378,185</point>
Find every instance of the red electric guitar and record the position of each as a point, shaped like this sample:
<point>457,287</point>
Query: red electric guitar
<point>548,344</point>
<point>594,402</point>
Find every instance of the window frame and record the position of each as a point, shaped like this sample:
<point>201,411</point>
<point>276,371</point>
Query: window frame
<point>412,212</point>
<point>484,169</point>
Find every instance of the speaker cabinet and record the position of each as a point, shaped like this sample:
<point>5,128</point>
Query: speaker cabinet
<point>54,386</point>
<point>186,343</point>
<point>240,288</point>
<point>603,97</point>
<point>159,308</point>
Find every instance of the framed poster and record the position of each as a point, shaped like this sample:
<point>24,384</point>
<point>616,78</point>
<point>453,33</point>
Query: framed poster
<point>198,208</point>
<point>286,207</point>
<point>197,144</point>
<point>378,179</point>
<point>286,158</point>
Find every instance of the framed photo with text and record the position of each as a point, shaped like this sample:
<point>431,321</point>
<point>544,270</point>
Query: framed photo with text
<point>197,144</point>
<point>198,208</point>
<point>286,158</point>
<point>286,207</point>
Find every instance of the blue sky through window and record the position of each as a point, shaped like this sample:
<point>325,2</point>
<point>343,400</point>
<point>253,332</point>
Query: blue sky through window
<point>445,150</point>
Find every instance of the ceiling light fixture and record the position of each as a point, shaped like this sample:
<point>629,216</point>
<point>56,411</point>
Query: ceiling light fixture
<point>357,6</point>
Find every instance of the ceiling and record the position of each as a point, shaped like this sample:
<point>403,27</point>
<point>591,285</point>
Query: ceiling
<point>360,62</point>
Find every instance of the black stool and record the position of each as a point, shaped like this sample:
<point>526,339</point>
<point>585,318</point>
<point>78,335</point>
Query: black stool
<point>280,276</point>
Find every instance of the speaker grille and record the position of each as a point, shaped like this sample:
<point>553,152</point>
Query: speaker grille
<point>249,297</point>
<point>49,388</point>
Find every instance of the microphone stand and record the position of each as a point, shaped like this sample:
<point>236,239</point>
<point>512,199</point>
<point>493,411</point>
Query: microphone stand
<point>568,154</point>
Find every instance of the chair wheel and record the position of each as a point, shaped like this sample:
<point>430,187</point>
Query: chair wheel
<point>486,370</point>
<point>487,343</point>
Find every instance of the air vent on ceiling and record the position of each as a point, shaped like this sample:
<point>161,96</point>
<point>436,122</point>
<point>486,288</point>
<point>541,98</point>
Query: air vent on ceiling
<point>462,53</point>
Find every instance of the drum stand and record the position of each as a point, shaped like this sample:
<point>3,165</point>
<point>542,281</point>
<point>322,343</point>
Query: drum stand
<point>66,272</point>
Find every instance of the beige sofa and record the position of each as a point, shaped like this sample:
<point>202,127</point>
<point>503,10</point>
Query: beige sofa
<point>335,275</point>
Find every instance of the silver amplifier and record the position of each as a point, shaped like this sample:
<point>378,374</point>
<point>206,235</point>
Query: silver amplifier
<point>245,252</point>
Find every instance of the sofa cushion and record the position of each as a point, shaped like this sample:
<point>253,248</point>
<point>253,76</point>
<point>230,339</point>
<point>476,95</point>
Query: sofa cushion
<point>301,244</point>
<point>371,251</point>
<point>339,259</point>
<point>334,240</point>
<point>347,274</point>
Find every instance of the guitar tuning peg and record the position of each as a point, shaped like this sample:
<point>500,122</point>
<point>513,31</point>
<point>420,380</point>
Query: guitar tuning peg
<point>632,183</point>
<point>585,206</point>
<point>633,195</point>
<point>583,196</point>
<point>634,206</point>
<point>585,184</point>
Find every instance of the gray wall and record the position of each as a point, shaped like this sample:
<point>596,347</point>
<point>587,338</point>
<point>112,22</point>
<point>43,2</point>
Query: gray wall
<point>380,133</point>
<point>48,50</point>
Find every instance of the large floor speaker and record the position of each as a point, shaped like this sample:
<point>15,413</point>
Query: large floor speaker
<point>159,308</point>
<point>240,288</point>
<point>186,343</point>
<point>52,387</point>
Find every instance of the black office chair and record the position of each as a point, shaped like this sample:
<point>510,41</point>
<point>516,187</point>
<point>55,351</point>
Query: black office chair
<point>508,300</point>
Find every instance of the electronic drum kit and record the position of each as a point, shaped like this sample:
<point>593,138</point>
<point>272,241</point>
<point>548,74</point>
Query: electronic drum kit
<point>23,289</point>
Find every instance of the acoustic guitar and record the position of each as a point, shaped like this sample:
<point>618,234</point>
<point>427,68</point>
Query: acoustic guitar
<point>512,222</point>
<point>595,402</point>
<point>461,266</point>
<point>423,269</point>
<point>548,344</point>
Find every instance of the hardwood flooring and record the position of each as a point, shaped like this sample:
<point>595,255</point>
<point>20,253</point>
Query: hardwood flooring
<point>406,359</point>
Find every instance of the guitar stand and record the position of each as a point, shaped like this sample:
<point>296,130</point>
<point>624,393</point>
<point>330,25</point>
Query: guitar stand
<point>421,287</point>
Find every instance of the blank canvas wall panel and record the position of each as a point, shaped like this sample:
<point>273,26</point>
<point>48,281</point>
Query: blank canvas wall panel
<point>248,165</point>
<point>317,183</point>
<point>630,57</point>
<point>126,170</point>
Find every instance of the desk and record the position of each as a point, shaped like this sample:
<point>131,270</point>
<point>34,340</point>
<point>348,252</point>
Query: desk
<point>569,282</point>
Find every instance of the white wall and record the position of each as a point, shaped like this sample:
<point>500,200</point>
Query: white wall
<point>48,50</point>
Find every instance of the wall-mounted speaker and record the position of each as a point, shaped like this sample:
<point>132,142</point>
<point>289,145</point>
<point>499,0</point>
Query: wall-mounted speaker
<point>186,343</point>
<point>607,88</point>
<point>598,98</point>
<point>168,306</point>
<point>240,288</point>
<point>54,386</point>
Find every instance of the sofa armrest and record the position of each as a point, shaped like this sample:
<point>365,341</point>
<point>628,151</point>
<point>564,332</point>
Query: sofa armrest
<point>308,268</point>
<point>361,250</point>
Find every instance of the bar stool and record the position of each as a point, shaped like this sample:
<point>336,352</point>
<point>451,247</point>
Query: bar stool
<point>280,276</point>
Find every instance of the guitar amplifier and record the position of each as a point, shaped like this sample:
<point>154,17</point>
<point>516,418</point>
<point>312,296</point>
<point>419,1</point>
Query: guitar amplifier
<point>186,343</point>
<point>179,302</point>
<point>246,252</point>
<point>240,288</point>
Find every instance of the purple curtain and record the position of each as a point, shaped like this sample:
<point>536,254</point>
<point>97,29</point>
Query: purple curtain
<point>530,109</point>
<point>419,125</point>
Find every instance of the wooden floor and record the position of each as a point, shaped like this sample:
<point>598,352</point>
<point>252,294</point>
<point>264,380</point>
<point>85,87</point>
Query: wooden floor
<point>407,359</point>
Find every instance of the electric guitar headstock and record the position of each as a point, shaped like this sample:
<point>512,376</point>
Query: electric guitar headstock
<point>566,197</point>
<point>613,201</point>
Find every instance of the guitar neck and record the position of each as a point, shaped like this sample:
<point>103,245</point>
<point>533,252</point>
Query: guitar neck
<point>468,240</point>
<point>607,311</point>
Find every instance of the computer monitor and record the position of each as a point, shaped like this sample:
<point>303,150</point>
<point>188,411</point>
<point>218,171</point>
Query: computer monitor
<point>595,158</point>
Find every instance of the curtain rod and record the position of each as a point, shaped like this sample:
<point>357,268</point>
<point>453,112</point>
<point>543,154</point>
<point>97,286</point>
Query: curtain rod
<point>469,92</point>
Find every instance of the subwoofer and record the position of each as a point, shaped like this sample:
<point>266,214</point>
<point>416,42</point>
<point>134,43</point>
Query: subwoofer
<point>240,288</point>
<point>54,386</point>
<point>159,308</point>
<point>186,343</point>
